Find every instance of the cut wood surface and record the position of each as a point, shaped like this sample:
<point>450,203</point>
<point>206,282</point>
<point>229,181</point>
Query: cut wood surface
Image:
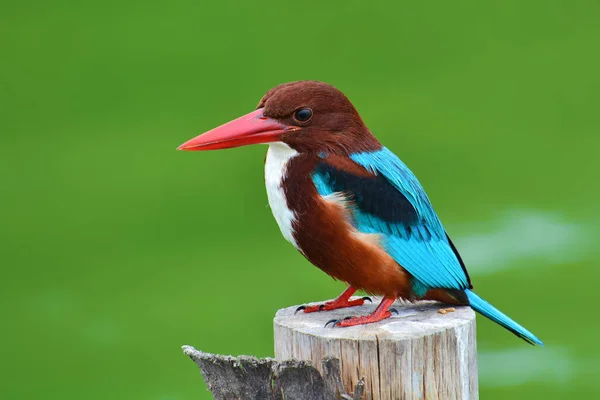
<point>421,353</point>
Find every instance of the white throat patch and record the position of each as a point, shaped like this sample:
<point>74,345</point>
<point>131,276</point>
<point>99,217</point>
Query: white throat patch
<point>278,156</point>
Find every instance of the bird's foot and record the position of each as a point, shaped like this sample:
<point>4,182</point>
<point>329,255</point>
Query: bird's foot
<point>334,305</point>
<point>366,319</point>
<point>383,311</point>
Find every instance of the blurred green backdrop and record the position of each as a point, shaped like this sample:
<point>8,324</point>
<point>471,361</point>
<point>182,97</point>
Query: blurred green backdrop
<point>116,249</point>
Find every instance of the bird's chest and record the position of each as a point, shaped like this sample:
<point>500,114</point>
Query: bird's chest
<point>277,161</point>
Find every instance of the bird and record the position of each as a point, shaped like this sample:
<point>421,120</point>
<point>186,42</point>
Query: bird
<point>349,205</point>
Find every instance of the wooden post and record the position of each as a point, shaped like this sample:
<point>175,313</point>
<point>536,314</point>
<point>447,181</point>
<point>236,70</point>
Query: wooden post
<point>421,353</point>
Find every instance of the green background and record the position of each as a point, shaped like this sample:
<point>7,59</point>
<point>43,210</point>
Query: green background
<point>116,249</point>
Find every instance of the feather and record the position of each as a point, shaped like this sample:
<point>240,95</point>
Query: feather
<point>387,199</point>
<point>488,310</point>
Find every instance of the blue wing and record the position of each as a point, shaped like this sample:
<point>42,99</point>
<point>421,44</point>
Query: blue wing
<point>390,201</point>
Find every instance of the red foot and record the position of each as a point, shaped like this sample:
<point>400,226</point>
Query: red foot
<point>341,302</point>
<point>333,305</point>
<point>381,312</point>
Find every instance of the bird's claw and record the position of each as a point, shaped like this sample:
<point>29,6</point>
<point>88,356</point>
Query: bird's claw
<point>334,322</point>
<point>394,311</point>
<point>365,298</point>
<point>302,308</point>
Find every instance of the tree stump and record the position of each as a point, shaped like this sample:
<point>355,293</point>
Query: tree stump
<point>421,353</point>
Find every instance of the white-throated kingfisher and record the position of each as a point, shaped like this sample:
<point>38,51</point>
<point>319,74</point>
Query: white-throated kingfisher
<point>349,205</point>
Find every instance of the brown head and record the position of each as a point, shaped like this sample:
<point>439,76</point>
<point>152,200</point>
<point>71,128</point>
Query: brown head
<point>309,116</point>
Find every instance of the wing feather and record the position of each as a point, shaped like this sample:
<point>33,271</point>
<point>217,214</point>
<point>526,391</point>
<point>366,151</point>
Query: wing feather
<point>387,199</point>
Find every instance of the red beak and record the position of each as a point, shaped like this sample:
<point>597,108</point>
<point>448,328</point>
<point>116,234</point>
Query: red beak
<point>251,128</point>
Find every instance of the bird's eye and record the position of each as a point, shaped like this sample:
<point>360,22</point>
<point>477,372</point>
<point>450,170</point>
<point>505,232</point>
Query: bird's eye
<point>303,114</point>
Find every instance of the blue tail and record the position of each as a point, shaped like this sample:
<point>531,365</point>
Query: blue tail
<point>488,310</point>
